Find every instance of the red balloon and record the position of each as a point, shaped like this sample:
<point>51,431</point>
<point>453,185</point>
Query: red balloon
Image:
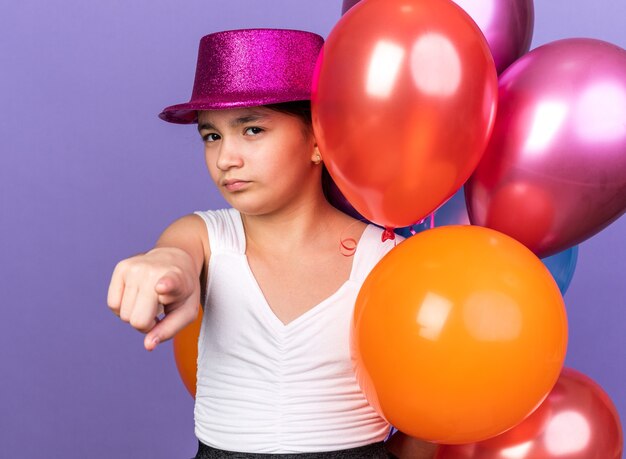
<point>403,104</point>
<point>506,24</point>
<point>576,421</point>
<point>532,204</point>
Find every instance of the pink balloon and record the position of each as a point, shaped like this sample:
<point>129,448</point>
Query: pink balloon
<point>576,421</point>
<point>506,24</point>
<point>554,173</point>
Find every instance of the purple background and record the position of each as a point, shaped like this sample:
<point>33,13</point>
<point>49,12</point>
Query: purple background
<point>89,175</point>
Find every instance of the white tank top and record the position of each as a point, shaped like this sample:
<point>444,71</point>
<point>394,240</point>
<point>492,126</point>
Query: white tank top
<point>267,387</point>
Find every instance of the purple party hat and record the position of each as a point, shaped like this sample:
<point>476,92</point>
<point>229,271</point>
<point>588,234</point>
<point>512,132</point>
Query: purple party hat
<point>248,68</point>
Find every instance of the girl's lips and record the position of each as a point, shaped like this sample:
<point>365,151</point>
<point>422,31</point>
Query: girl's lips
<point>235,185</point>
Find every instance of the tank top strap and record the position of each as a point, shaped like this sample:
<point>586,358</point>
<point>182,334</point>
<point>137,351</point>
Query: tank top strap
<point>225,230</point>
<point>369,251</point>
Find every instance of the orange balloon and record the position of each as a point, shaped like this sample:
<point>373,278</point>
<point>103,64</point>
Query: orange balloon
<point>403,105</point>
<point>186,353</point>
<point>458,334</point>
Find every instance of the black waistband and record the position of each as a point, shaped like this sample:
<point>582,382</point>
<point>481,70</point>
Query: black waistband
<point>372,451</point>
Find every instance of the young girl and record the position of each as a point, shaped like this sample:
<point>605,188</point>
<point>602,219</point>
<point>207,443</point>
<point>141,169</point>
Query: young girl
<point>274,376</point>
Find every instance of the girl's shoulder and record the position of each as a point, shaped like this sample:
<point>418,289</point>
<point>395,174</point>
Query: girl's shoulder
<point>223,230</point>
<point>218,214</point>
<point>187,233</point>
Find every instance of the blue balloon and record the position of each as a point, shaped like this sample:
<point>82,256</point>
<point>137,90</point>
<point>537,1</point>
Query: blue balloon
<point>562,266</point>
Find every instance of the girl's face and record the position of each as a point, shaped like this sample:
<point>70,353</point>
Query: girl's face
<point>259,159</point>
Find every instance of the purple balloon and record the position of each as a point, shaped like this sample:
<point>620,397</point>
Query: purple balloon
<point>554,172</point>
<point>347,4</point>
<point>506,24</point>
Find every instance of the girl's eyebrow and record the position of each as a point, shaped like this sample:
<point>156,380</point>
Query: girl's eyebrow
<point>206,126</point>
<point>248,119</point>
<point>255,116</point>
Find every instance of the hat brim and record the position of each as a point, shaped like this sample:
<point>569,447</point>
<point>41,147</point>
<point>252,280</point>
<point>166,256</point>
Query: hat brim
<point>187,113</point>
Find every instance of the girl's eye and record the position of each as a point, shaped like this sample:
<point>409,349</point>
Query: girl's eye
<point>211,137</point>
<point>253,130</point>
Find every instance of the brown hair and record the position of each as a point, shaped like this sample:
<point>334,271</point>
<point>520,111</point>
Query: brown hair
<point>299,108</point>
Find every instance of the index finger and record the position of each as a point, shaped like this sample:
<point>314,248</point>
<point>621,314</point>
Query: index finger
<point>169,326</point>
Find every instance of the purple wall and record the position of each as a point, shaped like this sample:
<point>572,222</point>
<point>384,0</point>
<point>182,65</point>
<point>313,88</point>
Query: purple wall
<point>89,175</point>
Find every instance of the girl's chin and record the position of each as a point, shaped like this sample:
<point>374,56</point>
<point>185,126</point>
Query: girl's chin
<point>245,205</point>
<point>252,209</point>
<point>256,204</point>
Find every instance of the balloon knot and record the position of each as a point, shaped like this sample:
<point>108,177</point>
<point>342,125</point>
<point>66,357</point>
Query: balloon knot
<point>388,234</point>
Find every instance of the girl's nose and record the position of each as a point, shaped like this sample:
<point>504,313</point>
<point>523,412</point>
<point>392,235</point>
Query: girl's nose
<point>228,155</point>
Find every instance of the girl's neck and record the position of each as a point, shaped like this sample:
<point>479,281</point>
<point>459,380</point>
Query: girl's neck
<point>293,228</point>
